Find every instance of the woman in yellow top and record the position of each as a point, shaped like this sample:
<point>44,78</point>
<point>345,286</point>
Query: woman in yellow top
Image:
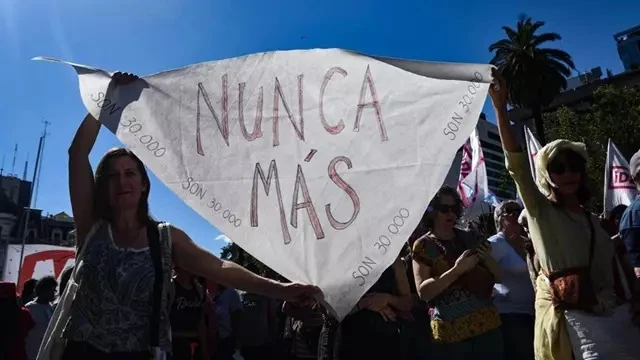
<point>559,226</point>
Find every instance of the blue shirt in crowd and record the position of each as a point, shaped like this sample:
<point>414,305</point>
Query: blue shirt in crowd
<point>515,293</point>
<point>630,231</point>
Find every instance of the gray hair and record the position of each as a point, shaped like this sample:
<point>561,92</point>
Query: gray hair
<point>501,209</point>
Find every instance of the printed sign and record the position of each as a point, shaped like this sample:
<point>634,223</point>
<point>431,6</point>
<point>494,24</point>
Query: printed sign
<point>619,188</point>
<point>38,261</point>
<point>319,163</point>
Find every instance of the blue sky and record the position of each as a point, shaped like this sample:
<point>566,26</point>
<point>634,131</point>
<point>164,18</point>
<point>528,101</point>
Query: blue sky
<point>147,36</point>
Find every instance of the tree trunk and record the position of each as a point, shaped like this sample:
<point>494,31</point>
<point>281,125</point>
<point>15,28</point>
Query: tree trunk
<point>536,111</point>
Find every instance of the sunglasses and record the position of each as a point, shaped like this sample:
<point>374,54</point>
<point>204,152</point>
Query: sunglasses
<point>445,209</point>
<point>560,167</point>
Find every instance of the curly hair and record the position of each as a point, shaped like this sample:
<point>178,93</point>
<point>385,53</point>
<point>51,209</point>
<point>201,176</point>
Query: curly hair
<point>426,223</point>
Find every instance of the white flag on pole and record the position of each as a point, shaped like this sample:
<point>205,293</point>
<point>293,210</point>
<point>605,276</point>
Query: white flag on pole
<point>533,146</point>
<point>619,188</point>
<point>319,163</point>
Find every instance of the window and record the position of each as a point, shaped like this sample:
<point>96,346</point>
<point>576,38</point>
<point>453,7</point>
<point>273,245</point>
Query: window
<point>493,136</point>
<point>490,146</point>
<point>494,157</point>
<point>56,236</point>
<point>31,236</point>
<point>493,174</point>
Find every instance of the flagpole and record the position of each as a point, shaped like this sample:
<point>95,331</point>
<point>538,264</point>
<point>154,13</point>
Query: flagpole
<point>26,220</point>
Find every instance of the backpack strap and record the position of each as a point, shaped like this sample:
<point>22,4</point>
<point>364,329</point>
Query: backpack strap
<point>153,236</point>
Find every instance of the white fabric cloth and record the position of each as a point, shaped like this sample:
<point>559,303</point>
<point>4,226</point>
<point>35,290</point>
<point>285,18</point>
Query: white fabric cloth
<point>611,337</point>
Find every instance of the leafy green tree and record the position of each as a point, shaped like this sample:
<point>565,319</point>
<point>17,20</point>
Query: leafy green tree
<point>614,113</point>
<point>535,74</point>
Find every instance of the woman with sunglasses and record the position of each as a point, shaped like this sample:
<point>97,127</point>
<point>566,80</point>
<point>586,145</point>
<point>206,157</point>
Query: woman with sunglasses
<point>575,287</point>
<point>455,273</point>
<point>514,295</point>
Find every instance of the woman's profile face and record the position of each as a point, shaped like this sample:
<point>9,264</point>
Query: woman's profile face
<point>566,171</point>
<point>446,211</point>
<point>125,183</point>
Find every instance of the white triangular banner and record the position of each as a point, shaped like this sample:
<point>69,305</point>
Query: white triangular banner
<point>319,163</point>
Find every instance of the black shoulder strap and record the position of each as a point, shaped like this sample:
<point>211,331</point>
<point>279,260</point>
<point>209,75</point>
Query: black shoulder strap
<point>153,236</point>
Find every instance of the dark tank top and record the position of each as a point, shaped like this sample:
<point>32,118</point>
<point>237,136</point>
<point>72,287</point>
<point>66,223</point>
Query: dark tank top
<point>187,308</point>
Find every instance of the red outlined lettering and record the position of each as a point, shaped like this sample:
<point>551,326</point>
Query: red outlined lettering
<point>222,126</point>
<point>367,82</point>
<point>266,183</point>
<point>333,130</point>
<point>307,203</point>
<point>277,95</point>
<point>333,175</point>
<point>257,127</point>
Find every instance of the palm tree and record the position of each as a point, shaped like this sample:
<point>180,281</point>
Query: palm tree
<point>535,75</point>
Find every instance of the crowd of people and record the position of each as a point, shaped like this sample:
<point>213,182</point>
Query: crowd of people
<point>516,288</point>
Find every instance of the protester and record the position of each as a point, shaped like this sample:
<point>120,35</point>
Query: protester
<point>41,310</point>
<point>306,325</point>
<point>187,317</point>
<point>455,273</point>
<point>110,313</point>
<point>514,295</point>
<point>374,330</point>
<point>574,251</point>
<point>228,312</point>
<point>417,333</point>
<point>28,291</point>
<point>630,221</point>
<point>258,324</point>
<point>15,324</point>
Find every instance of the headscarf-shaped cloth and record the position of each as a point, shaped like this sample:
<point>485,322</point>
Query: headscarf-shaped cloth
<point>547,154</point>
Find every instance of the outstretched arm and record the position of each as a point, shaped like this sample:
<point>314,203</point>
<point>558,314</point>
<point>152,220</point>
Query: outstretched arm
<point>191,257</point>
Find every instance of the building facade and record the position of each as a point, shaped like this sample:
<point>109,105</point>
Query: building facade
<point>47,229</point>
<point>497,177</point>
<point>629,47</point>
<point>578,98</point>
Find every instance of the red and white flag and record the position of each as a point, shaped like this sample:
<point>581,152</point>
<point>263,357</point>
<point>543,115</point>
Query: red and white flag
<point>472,184</point>
<point>619,188</point>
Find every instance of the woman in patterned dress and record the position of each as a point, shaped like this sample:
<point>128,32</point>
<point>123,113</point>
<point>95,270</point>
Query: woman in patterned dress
<point>455,273</point>
<point>110,315</point>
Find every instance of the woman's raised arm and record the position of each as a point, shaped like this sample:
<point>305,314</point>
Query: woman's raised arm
<point>81,182</point>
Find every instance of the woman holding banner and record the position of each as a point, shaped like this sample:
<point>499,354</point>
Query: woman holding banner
<point>455,273</point>
<point>127,258</point>
<point>576,311</point>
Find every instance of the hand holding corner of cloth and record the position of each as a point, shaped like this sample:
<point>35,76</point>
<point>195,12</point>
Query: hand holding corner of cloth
<point>123,78</point>
<point>298,293</point>
<point>498,90</point>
